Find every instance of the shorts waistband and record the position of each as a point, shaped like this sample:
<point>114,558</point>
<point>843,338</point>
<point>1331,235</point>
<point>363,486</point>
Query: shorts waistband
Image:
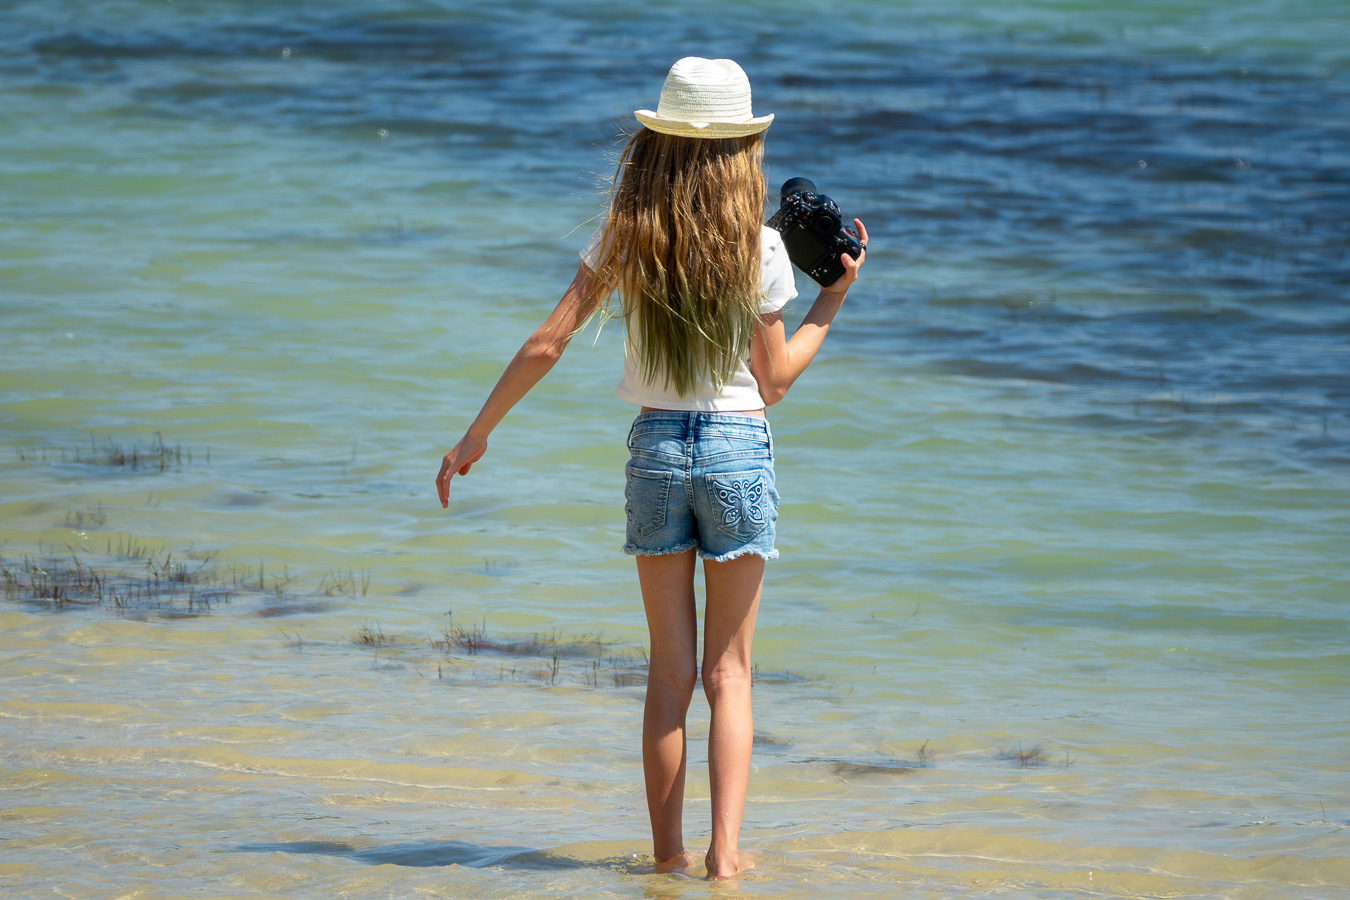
<point>685,422</point>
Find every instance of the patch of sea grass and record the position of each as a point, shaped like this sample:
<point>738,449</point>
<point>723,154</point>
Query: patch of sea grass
<point>347,582</point>
<point>367,636</point>
<point>851,768</point>
<point>1025,758</point>
<point>846,769</point>
<point>132,578</point>
<point>759,676</point>
<point>773,741</point>
<point>159,582</point>
<point>1034,757</point>
<point>155,456</point>
<point>548,658</point>
<point>553,657</point>
<point>465,638</point>
<point>91,518</point>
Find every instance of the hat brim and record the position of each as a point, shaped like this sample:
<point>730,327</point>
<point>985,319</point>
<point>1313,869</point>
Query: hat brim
<point>703,129</point>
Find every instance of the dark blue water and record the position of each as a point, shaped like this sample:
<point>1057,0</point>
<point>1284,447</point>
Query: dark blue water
<point>1147,207</point>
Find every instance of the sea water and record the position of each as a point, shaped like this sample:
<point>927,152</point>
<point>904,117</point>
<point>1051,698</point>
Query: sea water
<point>1063,599</point>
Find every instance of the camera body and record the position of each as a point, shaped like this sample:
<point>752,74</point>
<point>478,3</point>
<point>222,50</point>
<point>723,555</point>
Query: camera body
<point>813,231</point>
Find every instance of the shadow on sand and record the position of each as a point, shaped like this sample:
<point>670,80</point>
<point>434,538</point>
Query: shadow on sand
<point>426,853</point>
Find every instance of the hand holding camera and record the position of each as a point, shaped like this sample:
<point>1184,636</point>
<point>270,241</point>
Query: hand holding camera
<point>814,232</point>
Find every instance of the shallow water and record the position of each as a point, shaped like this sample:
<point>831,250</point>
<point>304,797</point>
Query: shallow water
<point>1062,608</point>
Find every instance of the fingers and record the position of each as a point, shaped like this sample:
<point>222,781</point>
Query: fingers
<point>443,483</point>
<point>455,463</point>
<point>850,264</point>
<point>443,478</point>
<point>862,239</point>
<point>860,232</point>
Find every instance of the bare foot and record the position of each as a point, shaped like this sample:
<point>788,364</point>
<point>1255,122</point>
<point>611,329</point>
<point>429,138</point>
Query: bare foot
<point>726,867</point>
<point>677,863</point>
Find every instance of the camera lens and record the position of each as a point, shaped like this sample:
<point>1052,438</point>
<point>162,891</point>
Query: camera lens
<point>796,186</point>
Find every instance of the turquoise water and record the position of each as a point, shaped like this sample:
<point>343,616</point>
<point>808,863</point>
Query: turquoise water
<point>1062,608</point>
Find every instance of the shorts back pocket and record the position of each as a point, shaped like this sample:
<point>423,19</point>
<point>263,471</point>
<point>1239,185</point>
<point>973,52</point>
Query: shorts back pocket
<point>741,501</point>
<point>647,494</point>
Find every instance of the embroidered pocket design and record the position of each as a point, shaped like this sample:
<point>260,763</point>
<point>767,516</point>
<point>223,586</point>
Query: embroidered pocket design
<point>739,501</point>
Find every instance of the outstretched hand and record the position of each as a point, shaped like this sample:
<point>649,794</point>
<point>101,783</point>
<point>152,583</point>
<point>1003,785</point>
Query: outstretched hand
<point>458,462</point>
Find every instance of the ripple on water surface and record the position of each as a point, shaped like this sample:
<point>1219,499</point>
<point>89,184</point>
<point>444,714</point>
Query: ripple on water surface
<point>1062,598</point>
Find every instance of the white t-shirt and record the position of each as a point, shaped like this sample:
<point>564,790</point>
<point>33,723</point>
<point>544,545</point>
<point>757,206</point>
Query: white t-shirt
<point>777,288</point>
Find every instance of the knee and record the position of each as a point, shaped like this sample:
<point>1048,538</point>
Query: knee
<point>673,679</point>
<point>726,677</point>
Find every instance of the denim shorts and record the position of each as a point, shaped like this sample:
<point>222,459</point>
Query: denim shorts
<point>700,479</point>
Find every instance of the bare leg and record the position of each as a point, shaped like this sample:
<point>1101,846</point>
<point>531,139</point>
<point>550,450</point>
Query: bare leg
<point>668,596</point>
<point>733,590</point>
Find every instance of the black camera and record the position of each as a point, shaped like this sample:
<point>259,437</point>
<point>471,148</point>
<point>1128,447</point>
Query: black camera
<point>813,231</point>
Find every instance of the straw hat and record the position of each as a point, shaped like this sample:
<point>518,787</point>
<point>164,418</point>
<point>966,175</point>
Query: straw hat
<point>705,98</point>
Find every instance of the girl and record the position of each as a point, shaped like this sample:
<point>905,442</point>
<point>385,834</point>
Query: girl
<point>702,286</point>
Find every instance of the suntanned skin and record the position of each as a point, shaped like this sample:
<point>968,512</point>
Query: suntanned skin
<point>535,358</point>
<point>733,588</point>
<point>732,602</point>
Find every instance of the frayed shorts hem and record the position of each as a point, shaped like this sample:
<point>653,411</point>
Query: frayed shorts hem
<point>635,550</point>
<point>736,554</point>
<point>632,550</point>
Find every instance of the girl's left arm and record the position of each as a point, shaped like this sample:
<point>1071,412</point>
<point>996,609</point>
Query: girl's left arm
<point>530,364</point>
<point>777,361</point>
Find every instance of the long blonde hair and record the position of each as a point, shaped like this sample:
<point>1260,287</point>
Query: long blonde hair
<point>681,246</point>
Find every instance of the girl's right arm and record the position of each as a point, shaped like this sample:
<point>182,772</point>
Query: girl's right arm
<point>530,364</point>
<point>777,361</point>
